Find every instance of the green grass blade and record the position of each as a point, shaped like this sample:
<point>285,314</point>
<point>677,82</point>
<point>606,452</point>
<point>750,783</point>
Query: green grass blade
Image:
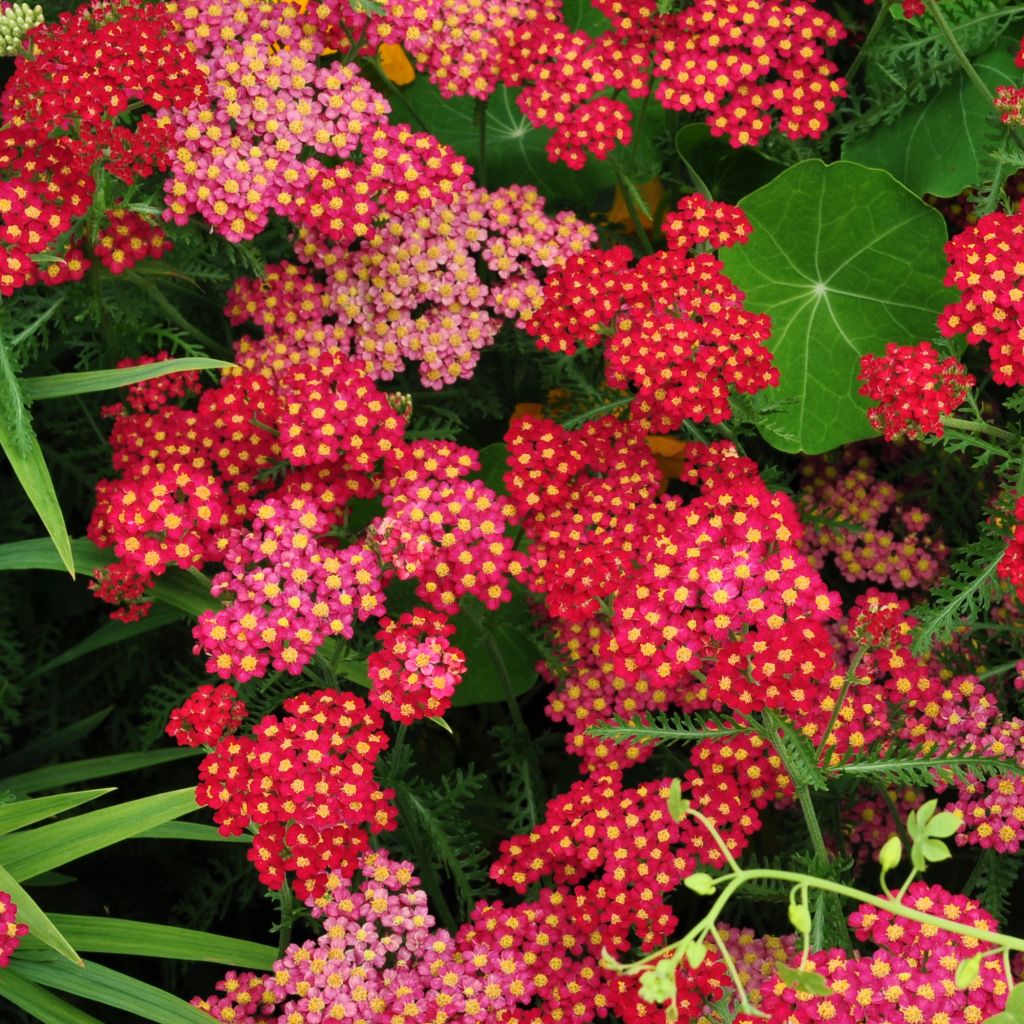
<point>110,988</point>
<point>30,853</point>
<point>93,768</point>
<point>40,553</point>
<point>27,812</point>
<point>113,632</point>
<point>61,385</point>
<point>30,468</point>
<point>43,748</point>
<point>139,938</point>
<point>39,925</point>
<point>192,832</point>
<point>39,1002</point>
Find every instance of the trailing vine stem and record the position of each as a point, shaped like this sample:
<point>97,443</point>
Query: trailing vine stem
<point>723,887</point>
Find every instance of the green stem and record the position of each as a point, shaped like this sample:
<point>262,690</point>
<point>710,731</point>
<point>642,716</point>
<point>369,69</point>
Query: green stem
<point>965,62</point>
<point>286,901</point>
<point>876,27</point>
<point>851,675</point>
<point>978,427</point>
<point>593,414</point>
<point>480,113</point>
<point>803,795</point>
<point>634,213</point>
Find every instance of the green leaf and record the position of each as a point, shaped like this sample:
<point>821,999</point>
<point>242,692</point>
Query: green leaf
<point>944,825</point>
<point>26,854</point>
<point>40,1002</point>
<point>60,385</point>
<point>187,591</point>
<point>935,850</point>
<point>942,146</point>
<point>191,831</point>
<point>56,775</point>
<point>803,981</point>
<point>42,749</point>
<point>23,813</point>
<point>30,469</point>
<point>730,174</point>
<point>39,925</point>
<point>110,988</point>
<point>113,632</point>
<point>501,658</point>
<point>40,553</point>
<point>844,259</point>
<point>1015,1000</point>
<point>139,938</point>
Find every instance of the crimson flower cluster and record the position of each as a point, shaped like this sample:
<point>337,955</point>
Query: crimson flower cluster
<point>914,389</point>
<point>305,781</point>
<point>985,266</point>
<point>11,929</point>
<point>673,325</point>
<point>70,113</point>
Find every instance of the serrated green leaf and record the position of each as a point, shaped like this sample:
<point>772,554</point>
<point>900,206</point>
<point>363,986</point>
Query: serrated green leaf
<point>61,385</point>
<point>844,259</point>
<point>39,925</point>
<point>40,1002</point>
<point>110,988</point>
<point>32,852</point>
<point>941,146</point>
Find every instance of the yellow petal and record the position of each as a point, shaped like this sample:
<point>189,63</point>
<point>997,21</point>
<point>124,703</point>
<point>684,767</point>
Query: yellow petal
<point>652,192</point>
<point>395,64</point>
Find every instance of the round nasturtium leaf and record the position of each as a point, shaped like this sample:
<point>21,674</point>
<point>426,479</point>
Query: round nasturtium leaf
<point>844,259</point>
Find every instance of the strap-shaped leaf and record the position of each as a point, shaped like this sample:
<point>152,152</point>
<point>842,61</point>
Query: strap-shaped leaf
<point>39,925</point>
<point>61,385</point>
<point>139,938</point>
<point>30,853</point>
<point>23,813</point>
<point>110,988</point>
<point>66,774</point>
<point>40,1002</point>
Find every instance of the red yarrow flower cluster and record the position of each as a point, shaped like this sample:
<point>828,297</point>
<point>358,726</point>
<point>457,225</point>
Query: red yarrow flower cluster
<point>207,715</point>
<point>416,670</point>
<point>306,782</point>
<point>673,326</point>
<point>752,64</point>
<point>11,930</point>
<point>914,389</point>
<point>127,238</point>
<point>66,113</point>
<point>986,265</point>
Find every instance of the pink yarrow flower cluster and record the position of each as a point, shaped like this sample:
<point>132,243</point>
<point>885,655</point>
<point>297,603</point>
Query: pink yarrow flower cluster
<point>379,957</point>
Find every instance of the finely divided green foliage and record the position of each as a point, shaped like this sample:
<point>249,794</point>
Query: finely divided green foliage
<point>844,259</point>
